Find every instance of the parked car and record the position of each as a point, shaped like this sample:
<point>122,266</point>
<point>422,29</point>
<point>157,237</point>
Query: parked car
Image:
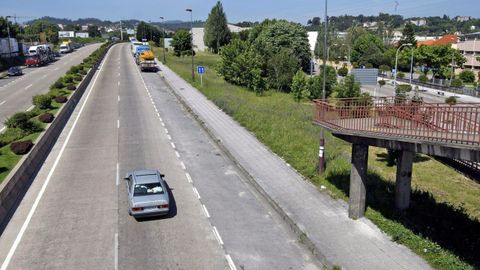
<point>15,71</point>
<point>147,193</point>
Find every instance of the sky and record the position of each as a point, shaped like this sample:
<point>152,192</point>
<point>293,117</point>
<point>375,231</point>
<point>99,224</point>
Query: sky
<point>236,10</point>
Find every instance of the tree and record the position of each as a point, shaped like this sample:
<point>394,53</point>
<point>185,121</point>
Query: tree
<point>435,58</point>
<point>368,48</point>
<point>422,78</point>
<point>35,30</point>
<point>347,88</point>
<point>275,35</point>
<point>217,33</point>
<point>15,29</point>
<point>282,67</point>
<point>451,100</point>
<point>149,32</point>
<point>384,69</point>
<point>467,76</point>
<point>182,43</point>
<point>408,35</point>
<point>299,86</point>
<point>93,31</point>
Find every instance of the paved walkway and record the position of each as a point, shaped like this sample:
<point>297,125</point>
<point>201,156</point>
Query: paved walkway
<point>339,240</point>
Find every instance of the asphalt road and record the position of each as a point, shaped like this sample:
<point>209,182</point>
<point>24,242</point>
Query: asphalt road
<point>75,215</point>
<point>16,92</point>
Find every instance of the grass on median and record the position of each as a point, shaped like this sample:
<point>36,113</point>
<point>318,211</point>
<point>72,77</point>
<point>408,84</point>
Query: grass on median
<point>442,224</point>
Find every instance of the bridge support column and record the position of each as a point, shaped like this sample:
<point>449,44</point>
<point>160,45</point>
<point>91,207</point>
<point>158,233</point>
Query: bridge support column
<point>358,181</point>
<point>403,184</point>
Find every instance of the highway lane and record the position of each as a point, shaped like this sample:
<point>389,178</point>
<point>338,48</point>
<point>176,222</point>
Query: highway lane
<point>16,95</point>
<point>253,233</point>
<point>81,220</point>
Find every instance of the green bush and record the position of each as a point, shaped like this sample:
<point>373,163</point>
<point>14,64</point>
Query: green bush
<point>382,83</point>
<point>10,135</point>
<point>82,72</point>
<point>422,78</point>
<point>68,79</point>
<point>456,82</point>
<point>451,100</point>
<point>467,76</point>
<point>43,102</point>
<point>20,120</point>
<point>58,84</point>
<point>343,71</point>
<point>401,75</point>
<point>404,88</point>
<point>71,87</point>
<point>74,69</point>
<point>77,78</point>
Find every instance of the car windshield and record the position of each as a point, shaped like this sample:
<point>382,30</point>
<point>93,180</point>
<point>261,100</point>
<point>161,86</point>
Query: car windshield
<point>147,189</point>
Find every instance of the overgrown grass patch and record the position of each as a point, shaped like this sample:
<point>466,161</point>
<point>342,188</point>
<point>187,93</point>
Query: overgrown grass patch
<point>442,224</point>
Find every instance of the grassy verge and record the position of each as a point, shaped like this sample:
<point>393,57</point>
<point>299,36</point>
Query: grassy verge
<point>442,224</point>
<point>8,159</point>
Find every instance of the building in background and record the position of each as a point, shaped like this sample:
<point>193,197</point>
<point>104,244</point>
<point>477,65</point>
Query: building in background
<point>469,46</point>
<point>7,50</point>
<point>199,32</point>
<point>66,34</point>
<point>81,34</point>
<point>449,39</point>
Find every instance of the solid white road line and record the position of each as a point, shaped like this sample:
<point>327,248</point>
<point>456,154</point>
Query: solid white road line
<point>217,235</point>
<point>116,251</point>
<point>30,108</point>
<point>196,192</point>
<point>24,227</point>
<point>28,86</point>
<point>230,262</point>
<point>189,178</point>
<point>117,179</point>
<point>205,211</point>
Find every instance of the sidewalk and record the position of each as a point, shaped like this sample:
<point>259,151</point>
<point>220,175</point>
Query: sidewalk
<point>336,239</point>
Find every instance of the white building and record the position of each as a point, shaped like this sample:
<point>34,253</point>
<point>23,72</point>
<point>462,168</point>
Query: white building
<point>81,35</point>
<point>199,32</point>
<point>84,27</point>
<point>66,34</point>
<point>470,48</point>
<point>419,22</point>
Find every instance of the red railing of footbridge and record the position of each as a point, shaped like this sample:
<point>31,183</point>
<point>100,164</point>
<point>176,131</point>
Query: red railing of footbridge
<point>395,117</point>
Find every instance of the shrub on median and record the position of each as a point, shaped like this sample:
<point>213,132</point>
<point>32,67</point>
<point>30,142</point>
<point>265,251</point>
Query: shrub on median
<point>43,102</point>
<point>77,78</point>
<point>71,87</point>
<point>82,72</point>
<point>61,99</point>
<point>11,135</point>
<point>21,147</point>
<point>58,84</point>
<point>20,120</point>
<point>46,117</point>
<point>68,79</point>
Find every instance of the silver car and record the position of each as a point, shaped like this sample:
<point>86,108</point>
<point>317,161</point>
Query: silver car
<point>147,193</point>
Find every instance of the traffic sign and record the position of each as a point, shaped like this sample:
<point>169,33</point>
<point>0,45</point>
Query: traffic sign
<point>201,70</point>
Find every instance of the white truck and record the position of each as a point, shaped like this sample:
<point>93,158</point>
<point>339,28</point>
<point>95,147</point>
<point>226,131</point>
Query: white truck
<point>66,48</point>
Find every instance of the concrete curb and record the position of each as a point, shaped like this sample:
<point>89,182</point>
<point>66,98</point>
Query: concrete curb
<point>302,236</point>
<point>16,184</point>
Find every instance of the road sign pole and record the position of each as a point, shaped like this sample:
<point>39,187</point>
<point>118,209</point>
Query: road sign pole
<point>201,80</point>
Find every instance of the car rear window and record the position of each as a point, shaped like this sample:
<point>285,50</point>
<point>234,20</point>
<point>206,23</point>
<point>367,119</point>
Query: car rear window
<point>148,189</point>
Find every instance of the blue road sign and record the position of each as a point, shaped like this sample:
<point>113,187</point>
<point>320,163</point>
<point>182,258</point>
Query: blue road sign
<point>201,70</point>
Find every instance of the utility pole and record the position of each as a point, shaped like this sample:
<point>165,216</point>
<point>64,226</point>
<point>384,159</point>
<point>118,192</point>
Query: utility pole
<point>411,67</point>
<point>191,40</point>
<point>163,35</point>
<point>121,31</point>
<point>9,44</point>
<point>321,150</point>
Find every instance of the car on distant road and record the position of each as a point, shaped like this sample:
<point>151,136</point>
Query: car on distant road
<point>15,71</point>
<point>147,193</point>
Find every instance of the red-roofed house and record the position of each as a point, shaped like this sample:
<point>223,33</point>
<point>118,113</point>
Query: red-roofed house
<point>444,40</point>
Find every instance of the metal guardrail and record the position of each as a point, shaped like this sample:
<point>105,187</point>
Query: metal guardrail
<point>396,117</point>
<point>462,90</point>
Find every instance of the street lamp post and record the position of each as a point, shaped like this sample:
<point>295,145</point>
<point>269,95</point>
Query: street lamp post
<point>163,34</point>
<point>191,39</point>
<point>411,67</point>
<point>396,64</point>
<point>151,30</point>
<point>321,150</point>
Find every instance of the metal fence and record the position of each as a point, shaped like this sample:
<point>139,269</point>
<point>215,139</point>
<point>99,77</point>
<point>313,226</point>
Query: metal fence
<point>396,117</point>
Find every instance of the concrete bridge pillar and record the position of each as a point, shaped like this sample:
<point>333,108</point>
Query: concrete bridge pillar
<point>403,184</point>
<point>358,181</point>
